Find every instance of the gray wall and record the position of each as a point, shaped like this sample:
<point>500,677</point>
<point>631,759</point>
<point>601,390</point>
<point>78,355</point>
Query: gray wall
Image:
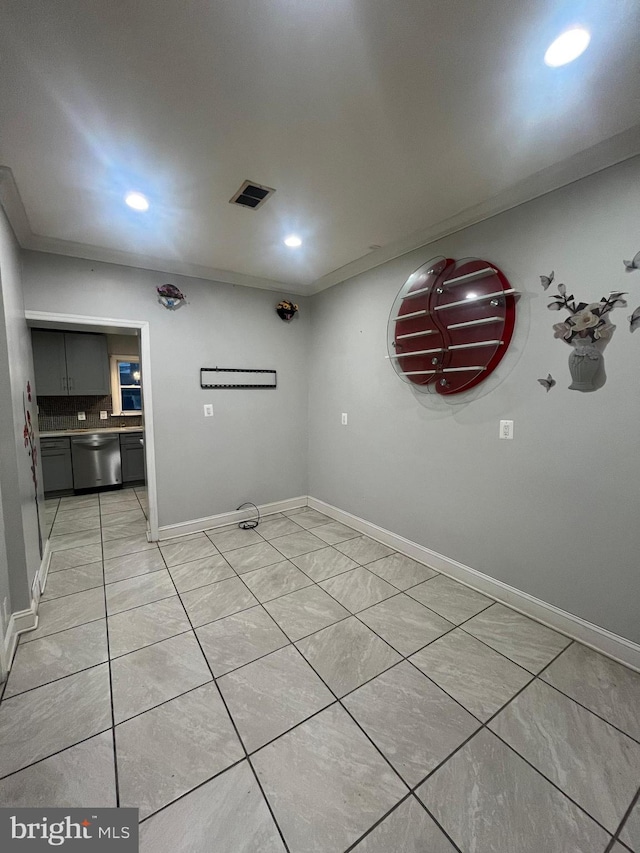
<point>21,543</point>
<point>254,448</point>
<point>553,512</point>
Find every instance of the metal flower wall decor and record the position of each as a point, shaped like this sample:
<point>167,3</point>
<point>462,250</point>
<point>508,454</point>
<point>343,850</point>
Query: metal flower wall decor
<point>587,329</point>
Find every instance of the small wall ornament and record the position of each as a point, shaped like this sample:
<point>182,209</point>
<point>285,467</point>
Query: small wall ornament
<point>588,331</point>
<point>286,310</point>
<point>547,383</point>
<point>633,264</point>
<point>170,296</point>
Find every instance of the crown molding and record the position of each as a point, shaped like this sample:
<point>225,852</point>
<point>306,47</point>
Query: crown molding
<point>38,243</point>
<point>11,202</point>
<point>622,146</point>
<point>602,156</point>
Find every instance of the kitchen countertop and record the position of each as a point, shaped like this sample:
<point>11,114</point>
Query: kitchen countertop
<point>61,433</point>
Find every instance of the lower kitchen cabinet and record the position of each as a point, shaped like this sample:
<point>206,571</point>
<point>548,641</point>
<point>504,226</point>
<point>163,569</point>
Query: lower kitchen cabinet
<point>57,461</point>
<point>132,455</point>
<point>57,473</point>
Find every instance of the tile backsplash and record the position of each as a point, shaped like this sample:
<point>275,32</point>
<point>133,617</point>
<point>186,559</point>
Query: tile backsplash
<point>62,413</point>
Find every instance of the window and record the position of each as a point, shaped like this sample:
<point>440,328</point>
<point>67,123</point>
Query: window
<point>126,392</point>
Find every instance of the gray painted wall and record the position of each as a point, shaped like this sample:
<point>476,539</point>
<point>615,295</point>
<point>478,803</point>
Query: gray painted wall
<point>255,446</point>
<point>16,368</point>
<point>553,512</point>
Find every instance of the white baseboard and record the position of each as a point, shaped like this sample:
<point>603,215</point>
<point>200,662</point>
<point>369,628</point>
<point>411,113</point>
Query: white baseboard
<point>43,571</point>
<point>26,620</point>
<point>170,531</point>
<point>20,621</point>
<point>606,642</point>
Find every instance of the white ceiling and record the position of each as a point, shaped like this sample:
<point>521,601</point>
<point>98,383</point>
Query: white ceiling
<point>379,122</point>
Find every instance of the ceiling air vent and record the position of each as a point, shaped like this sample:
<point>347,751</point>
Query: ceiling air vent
<point>251,195</point>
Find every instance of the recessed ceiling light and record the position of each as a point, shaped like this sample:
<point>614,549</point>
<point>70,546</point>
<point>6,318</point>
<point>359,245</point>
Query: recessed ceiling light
<point>137,201</point>
<point>567,47</point>
<point>292,241</point>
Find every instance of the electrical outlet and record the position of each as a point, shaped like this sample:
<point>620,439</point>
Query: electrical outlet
<point>208,410</point>
<point>344,419</point>
<point>103,416</point>
<point>506,429</point>
<point>82,416</point>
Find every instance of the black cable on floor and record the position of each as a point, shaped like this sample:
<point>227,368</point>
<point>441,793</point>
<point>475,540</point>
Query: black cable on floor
<point>250,523</point>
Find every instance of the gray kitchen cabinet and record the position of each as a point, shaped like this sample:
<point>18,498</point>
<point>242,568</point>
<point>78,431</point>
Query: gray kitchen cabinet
<point>49,363</point>
<point>70,364</point>
<point>132,455</point>
<point>87,364</point>
<point>57,473</point>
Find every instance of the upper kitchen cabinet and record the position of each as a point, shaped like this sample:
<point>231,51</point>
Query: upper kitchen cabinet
<point>49,363</point>
<point>87,364</point>
<point>70,364</point>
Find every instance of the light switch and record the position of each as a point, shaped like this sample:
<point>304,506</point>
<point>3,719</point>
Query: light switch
<point>208,410</point>
<point>344,419</point>
<point>506,429</point>
<point>82,416</point>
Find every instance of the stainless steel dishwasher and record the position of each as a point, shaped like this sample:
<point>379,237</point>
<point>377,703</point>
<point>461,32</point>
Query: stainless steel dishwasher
<point>96,460</point>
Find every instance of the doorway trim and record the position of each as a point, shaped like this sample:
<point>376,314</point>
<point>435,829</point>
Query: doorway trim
<point>145,363</point>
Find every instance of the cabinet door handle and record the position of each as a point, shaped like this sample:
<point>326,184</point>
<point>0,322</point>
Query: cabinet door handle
<point>70,382</point>
<point>63,382</point>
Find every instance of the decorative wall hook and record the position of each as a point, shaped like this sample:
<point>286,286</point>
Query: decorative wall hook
<point>170,296</point>
<point>286,310</point>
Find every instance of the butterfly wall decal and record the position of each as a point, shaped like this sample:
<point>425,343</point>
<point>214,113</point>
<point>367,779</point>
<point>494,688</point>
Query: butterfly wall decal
<point>547,383</point>
<point>545,280</point>
<point>634,320</point>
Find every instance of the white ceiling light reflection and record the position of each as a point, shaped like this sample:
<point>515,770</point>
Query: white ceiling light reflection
<point>137,201</point>
<point>293,241</point>
<point>567,47</point>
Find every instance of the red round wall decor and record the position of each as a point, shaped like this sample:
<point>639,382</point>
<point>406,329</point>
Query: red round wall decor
<point>451,324</point>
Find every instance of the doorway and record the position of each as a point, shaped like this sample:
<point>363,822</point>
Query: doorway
<point>109,326</point>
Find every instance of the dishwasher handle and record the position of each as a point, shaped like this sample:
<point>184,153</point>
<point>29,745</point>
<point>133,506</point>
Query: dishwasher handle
<point>95,442</point>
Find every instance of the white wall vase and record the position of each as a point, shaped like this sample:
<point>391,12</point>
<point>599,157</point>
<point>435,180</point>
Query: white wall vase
<point>588,331</point>
<point>586,365</point>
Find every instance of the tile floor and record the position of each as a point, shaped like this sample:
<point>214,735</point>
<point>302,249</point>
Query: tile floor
<point>301,687</point>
